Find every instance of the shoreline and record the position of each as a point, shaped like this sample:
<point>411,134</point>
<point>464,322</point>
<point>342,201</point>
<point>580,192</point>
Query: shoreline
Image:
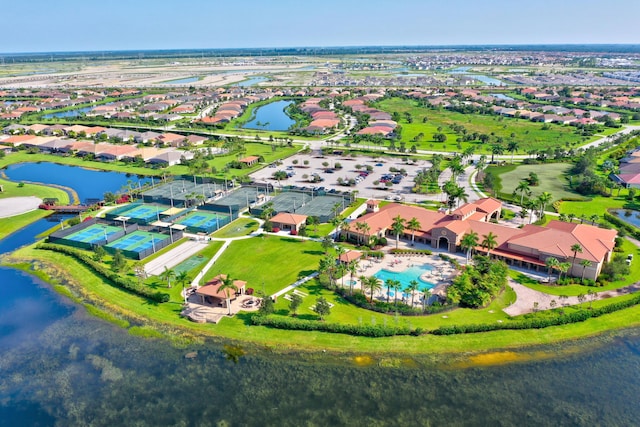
<point>182,336</point>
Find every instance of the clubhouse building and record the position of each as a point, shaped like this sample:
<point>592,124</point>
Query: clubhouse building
<point>527,247</point>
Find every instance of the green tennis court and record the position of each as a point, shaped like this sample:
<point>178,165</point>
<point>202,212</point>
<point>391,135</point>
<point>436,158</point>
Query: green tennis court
<point>205,222</point>
<point>189,264</point>
<point>94,233</point>
<point>137,241</point>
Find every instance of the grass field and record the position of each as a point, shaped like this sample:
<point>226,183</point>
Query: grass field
<point>529,135</point>
<point>239,227</point>
<point>275,261</point>
<point>165,318</point>
<point>552,179</point>
<point>11,189</point>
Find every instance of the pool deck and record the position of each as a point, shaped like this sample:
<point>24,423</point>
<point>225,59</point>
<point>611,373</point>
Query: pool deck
<point>441,276</point>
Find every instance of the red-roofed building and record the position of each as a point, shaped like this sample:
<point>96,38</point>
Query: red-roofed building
<point>288,221</point>
<point>527,247</point>
<point>212,295</point>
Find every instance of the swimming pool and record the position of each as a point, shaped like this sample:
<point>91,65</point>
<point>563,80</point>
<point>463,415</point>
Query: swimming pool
<point>405,277</point>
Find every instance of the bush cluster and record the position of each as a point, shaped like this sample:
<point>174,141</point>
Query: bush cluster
<point>112,277</point>
<point>539,323</point>
<point>360,300</point>
<point>410,251</point>
<point>618,222</point>
<point>291,323</point>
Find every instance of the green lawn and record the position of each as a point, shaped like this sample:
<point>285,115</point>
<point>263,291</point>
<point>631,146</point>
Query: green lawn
<point>239,227</point>
<point>529,135</point>
<point>273,261</point>
<point>552,179</point>
<point>11,189</point>
<point>164,318</point>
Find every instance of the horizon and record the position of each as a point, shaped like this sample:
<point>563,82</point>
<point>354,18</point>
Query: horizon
<point>406,47</point>
<point>72,25</point>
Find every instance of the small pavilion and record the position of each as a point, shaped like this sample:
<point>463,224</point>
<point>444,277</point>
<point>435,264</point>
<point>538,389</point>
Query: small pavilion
<point>210,294</point>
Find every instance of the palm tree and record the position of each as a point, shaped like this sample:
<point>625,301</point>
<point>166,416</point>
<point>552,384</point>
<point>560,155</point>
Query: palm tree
<point>365,230</point>
<point>396,287</point>
<point>512,147</point>
<point>543,199</point>
<point>167,275</point>
<point>352,267</point>
<point>551,263</point>
<point>523,188</point>
<point>413,287</point>
<point>359,226</point>
<point>228,283</point>
<point>496,150</point>
<point>489,242</point>
<point>575,248</point>
<point>584,263</point>
<point>563,268</point>
<point>594,218</point>
<point>468,242</point>
<point>372,283</point>
<point>389,284</point>
<point>182,278</point>
<point>397,227</point>
<point>414,225</point>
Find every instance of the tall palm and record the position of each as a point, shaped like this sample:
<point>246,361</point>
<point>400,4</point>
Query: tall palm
<point>227,284</point>
<point>389,284</point>
<point>563,268</point>
<point>182,279</point>
<point>461,195</point>
<point>414,225</point>
<point>489,242</point>
<point>352,268</point>
<point>584,263</point>
<point>512,147</point>
<point>397,227</point>
<point>413,287</point>
<point>373,284</point>
<point>543,200</point>
<point>167,275</point>
<point>468,242</point>
<point>551,263</point>
<point>396,287</point>
<point>576,248</point>
<point>359,226</point>
<point>594,218</point>
<point>523,188</point>
<point>496,150</point>
<point>365,230</point>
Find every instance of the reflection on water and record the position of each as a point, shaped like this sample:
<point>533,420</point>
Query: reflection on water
<point>57,363</point>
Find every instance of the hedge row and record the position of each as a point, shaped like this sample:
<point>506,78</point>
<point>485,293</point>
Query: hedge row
<point>620,223</point>
<point>101,270</point>
<point>411,251</point>
<point>539,323</point>
<point>291,323</point>
<point>360,300</point>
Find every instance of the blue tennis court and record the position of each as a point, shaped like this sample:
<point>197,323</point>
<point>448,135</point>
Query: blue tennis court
<point>205,221</point>
<point>95,233</point>
<point>145,213</point>
<point>137,241</point>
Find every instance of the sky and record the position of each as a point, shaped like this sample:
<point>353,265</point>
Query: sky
<point>90,25</point>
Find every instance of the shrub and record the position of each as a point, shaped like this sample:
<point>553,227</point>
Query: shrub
<point>280,322</point>
<point>114,278</point>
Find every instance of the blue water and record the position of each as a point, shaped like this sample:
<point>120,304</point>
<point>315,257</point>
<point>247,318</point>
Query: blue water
<point>27,234</point>
<point>271,117</point>
<point>252,81</point>
<point>181,81</point>
<point>487,80</point>
<point>633,219</point>
<point>459,70</point>
<point>405,277</point>
<point>501,96</point>
<point>87,183</point>
<point>69,113</point>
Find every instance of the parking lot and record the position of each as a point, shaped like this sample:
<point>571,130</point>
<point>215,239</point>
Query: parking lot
<point>309,165</point>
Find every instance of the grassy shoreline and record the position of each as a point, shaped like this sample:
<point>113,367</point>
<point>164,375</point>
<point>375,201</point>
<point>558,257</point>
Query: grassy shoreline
<point>93,292</point>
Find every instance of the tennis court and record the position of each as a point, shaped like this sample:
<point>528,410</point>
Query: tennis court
<point>138,241</point>
<point>301,203</point>
<point>144,213</point>
<point>205,222</point>
<point>96,233</point>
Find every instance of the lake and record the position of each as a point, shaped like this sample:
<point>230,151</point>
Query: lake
<point>271,117</point>
<point>633,219</point>
<point>482,78</point>
<point>61,366</point>
<point>87,183</point>
<point>68,113</point>
<point>501,96</point>
<point>252,81</point>
<point>183,81</point>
